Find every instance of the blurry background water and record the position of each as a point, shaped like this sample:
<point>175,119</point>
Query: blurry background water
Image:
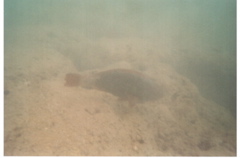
<point>199,35</point>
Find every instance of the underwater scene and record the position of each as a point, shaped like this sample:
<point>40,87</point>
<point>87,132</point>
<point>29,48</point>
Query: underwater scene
<point>120,78</point>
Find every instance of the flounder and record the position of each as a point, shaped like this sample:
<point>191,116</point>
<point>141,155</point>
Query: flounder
<point>129,85</point>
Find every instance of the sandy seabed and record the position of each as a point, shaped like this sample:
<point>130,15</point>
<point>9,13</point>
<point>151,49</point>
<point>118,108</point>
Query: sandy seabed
<point>44,117</point>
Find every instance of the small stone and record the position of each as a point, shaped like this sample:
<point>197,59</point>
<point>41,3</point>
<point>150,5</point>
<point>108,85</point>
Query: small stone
<point>135,148</point>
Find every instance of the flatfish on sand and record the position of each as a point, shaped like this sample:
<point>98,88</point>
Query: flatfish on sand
<point>129,85</point>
